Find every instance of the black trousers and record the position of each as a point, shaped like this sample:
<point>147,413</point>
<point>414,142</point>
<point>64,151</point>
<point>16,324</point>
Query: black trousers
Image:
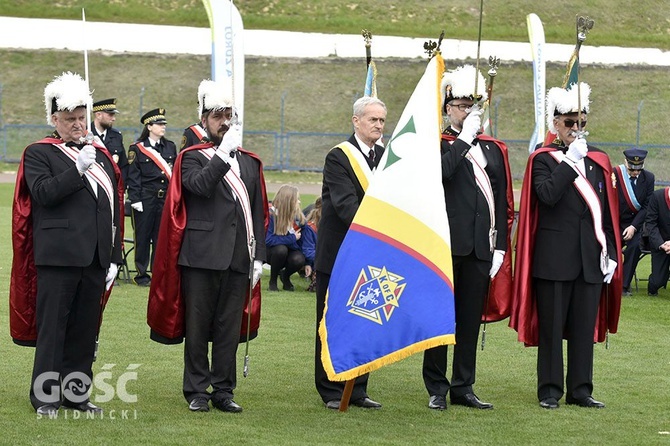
<point>147,224</point>
<point>660,271</point>
<point>631,257</point>
<point>214,302</point>
<point>68,315</point>
<point>330,390</point>
<point>471,284</point>
<point>566,309</point>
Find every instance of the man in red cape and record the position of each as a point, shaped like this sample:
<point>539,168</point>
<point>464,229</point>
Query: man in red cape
<point>480,206</point>
<point>67,231</point>
<point>567,251</point>
<point>165,314</point>
<point>216,206</point>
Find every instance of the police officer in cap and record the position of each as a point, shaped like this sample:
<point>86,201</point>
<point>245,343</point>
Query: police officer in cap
<point>636,185</point>
<point>104,115</point>
<point>150,162</point>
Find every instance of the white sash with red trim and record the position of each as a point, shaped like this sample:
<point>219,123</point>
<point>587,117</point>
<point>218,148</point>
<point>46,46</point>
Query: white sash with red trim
<point>358,163</point>
<point>484,183</point>
<point>199,131</point>
<point>157,158</point>
<point>589,195</point>
<point>627,190</point>
<point>241,194</point>
<point>96,174</point>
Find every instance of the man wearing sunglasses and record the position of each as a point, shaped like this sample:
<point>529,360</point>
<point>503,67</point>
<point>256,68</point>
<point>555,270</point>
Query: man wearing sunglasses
<point>567,284</point>
<point>635,187</point>
<point>478,197</point>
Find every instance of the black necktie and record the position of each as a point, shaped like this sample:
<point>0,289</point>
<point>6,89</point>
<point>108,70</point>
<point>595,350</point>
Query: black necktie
<point>371,156</point>
<point>633,180</point>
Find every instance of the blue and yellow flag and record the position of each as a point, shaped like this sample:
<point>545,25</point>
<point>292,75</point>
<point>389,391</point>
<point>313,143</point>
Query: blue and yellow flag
<point>391,292</point>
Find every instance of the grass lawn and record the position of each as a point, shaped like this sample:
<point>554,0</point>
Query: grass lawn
<point>281,405</point>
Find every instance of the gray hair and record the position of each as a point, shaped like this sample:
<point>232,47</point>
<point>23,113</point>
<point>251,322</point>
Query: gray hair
<point>361,103</point>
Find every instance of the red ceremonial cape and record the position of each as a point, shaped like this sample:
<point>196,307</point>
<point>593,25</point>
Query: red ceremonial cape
<point>23,282</point>
<point>524,304</point>
<point>165,311</point>
<point>498,302</point>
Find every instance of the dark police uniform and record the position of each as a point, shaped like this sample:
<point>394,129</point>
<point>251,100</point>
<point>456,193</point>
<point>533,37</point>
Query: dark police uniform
<point>193,135</point>
<point>147,183</point>
<point>643,188</point>
<point>113,139</point>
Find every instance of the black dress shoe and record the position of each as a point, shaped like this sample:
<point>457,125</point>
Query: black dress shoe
<point>586,402</point>
<point>199,404</point>
<point>437,402</point>
<point>366,403</point>
<point>86,406</point>
<point>47,410</point>
<point>273,286</point>
<point>333,404</point>
<point>549,403</point>
<point>470,400</point>
<point>227,405</point>
<point>649,293</point>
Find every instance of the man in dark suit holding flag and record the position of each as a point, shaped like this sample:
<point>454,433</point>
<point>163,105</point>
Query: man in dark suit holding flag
<point>346,174</point>
<point>635,187</point>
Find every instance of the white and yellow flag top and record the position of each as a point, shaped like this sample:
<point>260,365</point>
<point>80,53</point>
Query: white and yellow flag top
<point>391,292</point>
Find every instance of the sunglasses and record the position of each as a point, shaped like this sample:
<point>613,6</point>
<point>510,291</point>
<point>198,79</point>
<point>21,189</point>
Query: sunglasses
<point>569,123</point>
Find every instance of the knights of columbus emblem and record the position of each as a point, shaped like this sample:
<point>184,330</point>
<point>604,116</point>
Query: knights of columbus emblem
<point>377,296</point>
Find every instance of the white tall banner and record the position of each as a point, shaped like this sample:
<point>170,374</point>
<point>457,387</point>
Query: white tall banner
<point>227,28</point>
<point>536,36</point>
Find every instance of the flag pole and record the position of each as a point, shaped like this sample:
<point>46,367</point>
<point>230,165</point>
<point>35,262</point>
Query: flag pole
<point>346,395</point>
<point>479,45</point>
<point>583,26</point>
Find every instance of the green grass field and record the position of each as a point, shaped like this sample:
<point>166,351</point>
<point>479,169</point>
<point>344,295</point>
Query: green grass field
<point>282,406</point>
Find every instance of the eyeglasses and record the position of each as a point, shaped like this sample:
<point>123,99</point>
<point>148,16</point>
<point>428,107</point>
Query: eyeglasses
<point>569,123</point>
<point>462,107</point>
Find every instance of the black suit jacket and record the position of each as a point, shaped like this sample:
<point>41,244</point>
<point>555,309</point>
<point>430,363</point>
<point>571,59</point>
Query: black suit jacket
<point>70,224</point>
<point>657,220</point>
<point>114,143</point>
<point>215,236</point>
<point>468,212</point>
<point>341,195</point>
<point>565,242</point>
<point>644,188</point>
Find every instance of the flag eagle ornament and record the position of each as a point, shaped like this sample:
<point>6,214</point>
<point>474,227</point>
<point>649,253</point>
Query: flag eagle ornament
<point>391,291</point>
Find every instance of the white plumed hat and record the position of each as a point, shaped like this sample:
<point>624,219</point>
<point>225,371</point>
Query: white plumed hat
<point>66,92</point>
<point>460,84</point>
<point>215,95</point>
<point>561,101</point>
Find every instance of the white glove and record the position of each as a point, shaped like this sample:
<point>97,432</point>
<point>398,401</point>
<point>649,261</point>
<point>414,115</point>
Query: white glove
<point>85,158</point>
<point>258,271</point>
<point>496,263</point>
<point>577,150</point>
<point>137,206</point>
<point>230,142</point>
<point>611,267</point>
<point>471,125</point>
<point>111,275</point>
